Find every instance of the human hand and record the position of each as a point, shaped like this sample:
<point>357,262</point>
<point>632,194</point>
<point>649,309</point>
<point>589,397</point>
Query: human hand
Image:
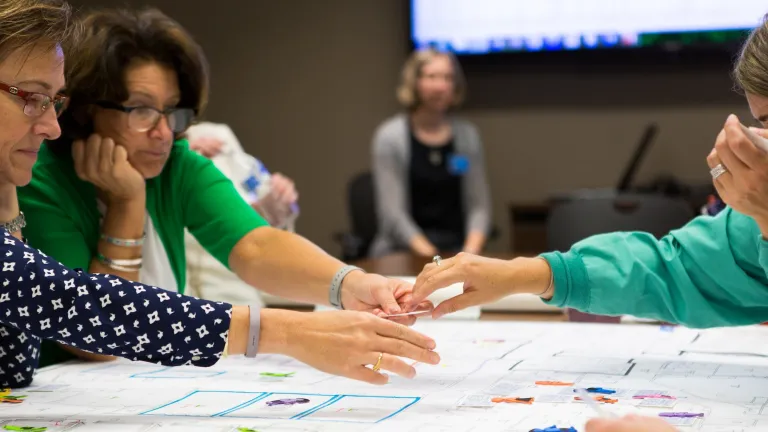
<point>422,247</point>
<point>343,342</point>
<point>278,205</point>
<point>744,186</point>
<point>283,189</point>
<point>101,162</point>
<point>485,280</point>
<point>380,296</point>
<point>630,423</point>
<point>207,146</point>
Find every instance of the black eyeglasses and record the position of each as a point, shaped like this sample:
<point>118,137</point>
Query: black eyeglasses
<point>144,118</point>
<point>35,104</point>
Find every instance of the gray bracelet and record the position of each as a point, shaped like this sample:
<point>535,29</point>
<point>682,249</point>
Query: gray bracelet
<point>338,278</point>
<point>254,331</point>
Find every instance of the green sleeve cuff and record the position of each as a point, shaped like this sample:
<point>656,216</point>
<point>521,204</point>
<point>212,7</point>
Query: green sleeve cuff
<point>570,280</point>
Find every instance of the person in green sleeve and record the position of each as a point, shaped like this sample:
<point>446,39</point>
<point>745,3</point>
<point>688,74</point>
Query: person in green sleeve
<point>115,193</point>
<point>712,272</point>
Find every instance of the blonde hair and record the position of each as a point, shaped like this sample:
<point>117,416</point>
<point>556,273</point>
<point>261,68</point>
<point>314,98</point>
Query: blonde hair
<point>751,70</point>
<point>26,23</point>
<point>407,93</point>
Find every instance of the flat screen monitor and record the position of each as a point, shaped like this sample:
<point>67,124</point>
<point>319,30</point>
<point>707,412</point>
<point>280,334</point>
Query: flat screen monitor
<point>478,27</point>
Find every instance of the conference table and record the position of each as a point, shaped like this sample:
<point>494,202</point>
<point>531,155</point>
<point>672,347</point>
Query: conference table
<point>407,264</point>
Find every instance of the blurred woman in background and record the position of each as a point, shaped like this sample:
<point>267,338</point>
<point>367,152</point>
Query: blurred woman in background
<point>432,193</point>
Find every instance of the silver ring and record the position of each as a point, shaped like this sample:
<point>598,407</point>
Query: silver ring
<point>717,171</point>
<point>437,259</point>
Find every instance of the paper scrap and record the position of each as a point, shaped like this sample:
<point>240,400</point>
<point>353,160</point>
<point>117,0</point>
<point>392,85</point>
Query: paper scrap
<point>641,393</point>
<point>554,398</point>
<point>657,403</point>
<point>503,388</point>
<point>681,421</point>
<point>476,400</point>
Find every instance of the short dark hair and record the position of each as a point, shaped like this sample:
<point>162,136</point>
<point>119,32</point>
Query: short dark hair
<point>27,23</point>
<point>112,41</point>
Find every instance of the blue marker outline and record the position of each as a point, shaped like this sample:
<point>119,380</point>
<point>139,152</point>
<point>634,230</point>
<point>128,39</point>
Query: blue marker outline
<point>261,395</point>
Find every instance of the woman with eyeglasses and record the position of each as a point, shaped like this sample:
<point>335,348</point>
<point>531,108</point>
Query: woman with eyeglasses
<point>116,191</point>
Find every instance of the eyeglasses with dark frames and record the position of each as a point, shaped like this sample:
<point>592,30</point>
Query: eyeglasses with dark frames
<point>145,118</point>
<point>36,104</point>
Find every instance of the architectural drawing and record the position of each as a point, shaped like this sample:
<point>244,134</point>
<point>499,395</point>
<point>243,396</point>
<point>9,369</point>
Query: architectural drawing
<point>647,369</point>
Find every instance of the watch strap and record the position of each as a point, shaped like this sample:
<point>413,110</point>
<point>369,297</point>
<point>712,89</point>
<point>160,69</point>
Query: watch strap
<point>254,331</point>
<point>334,295</point>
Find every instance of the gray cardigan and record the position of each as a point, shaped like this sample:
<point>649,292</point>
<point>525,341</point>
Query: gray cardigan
<point>391,160</point>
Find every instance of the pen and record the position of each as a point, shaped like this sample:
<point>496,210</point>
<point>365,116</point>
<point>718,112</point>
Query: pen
<point>594,405</point>
<point>680,414</point>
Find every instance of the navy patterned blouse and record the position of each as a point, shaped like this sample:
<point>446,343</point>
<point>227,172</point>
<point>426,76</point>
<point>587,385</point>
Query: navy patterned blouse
<point>105,314</point>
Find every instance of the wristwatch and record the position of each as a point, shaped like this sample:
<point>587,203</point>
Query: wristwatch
<point>16,224</point>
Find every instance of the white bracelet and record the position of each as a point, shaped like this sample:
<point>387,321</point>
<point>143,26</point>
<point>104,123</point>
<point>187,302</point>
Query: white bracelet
<point>126,265</point>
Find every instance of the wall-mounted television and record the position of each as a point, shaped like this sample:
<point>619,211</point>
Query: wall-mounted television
<point>481,27</point>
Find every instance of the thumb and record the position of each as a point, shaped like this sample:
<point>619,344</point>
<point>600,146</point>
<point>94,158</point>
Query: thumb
<point>462,301</point>
<point>386,300</point>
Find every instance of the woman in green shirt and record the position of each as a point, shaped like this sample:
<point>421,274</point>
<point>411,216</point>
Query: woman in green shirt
<point>116,192</point>
<point>712,272</point>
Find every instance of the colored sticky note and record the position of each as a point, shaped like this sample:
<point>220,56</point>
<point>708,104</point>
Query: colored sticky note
<point>278,375</point>
<point>25,428</point>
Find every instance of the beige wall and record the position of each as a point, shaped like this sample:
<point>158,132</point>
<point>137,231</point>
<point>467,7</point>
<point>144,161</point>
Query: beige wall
<point>304,82</point>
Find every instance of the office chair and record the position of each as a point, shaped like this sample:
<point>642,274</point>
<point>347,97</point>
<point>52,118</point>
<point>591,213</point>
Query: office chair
<point>573,220</point>
<point>361,205</point>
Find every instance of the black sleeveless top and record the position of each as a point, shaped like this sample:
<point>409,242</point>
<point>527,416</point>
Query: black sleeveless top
<point>436,195</point>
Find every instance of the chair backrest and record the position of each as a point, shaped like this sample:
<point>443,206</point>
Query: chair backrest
<point>573,220</point>
<point>362,208</point>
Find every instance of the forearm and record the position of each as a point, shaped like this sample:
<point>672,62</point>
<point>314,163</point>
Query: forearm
<point>420,245</point>
<point>475,242</point>
<point>122,221</point>
<point>284,264</point>
<point>689,277</point>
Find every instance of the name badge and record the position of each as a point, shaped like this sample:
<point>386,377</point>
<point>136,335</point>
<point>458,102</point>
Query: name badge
<point>458,164</point>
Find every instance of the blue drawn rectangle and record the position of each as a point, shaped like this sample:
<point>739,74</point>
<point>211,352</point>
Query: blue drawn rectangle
<point>292,406</point>
<point>361,409</point>
<point>176,373</point>
<point>207,403</point>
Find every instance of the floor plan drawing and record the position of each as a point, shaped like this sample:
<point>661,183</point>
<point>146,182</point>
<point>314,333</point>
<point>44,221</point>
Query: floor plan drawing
<point>505,377</point>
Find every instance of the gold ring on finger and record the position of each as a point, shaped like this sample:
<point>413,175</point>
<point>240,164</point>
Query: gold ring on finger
<point>377,366</point>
